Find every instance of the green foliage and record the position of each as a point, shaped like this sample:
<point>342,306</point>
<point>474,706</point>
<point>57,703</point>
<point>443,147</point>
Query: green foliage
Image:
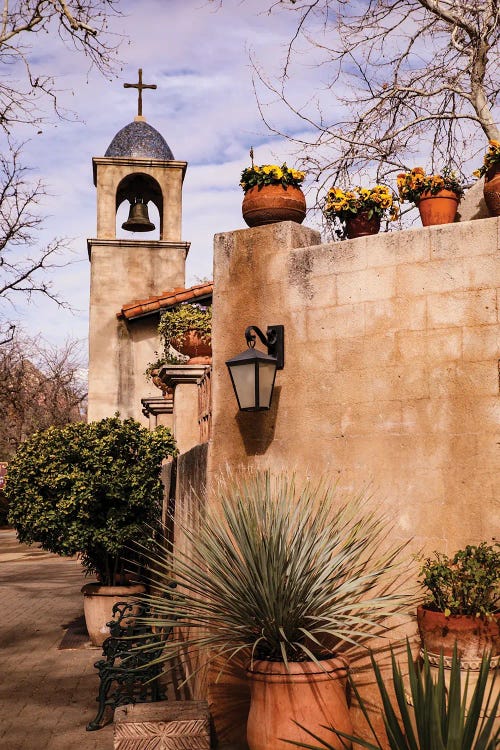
<point>89,489</point>
<point>270,174</point>
<point>466,584</point>
<point>446,717</point>
<point>186,317</point>
<point>287,572</point>
<point>153,367</point>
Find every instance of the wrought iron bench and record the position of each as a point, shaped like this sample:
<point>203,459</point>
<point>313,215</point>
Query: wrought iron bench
<point>127,676</point>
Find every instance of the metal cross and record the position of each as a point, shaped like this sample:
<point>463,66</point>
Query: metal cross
<point>140,86</point>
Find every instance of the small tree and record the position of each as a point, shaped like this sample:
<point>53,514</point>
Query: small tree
<point>89,489</point>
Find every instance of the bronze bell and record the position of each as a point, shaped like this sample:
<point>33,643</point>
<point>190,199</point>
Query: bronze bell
<point>138,218</point>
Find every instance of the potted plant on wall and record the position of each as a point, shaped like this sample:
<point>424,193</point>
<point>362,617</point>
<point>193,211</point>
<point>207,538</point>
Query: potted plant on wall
<point>490,170</point>
<point>91,490</point>
<point>187,328</point>
<point>436,196</point>
<point>357,212</point>
<point>272,193</point>
<point>462,605</point>
<point>291,577</point>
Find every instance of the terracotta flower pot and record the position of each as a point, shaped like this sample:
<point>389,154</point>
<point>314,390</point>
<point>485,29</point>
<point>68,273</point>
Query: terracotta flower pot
<point>361,225</point>
<point>440,208</point>
<point>98,602</point>
<point>192,346</point>
<point>473,635</point>
<point>273,203</point>
<point>492,190</point>
<point>306,694</point>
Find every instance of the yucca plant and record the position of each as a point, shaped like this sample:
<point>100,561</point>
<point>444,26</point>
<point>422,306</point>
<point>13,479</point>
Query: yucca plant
<point>278,570</point>
<point>444,715</point>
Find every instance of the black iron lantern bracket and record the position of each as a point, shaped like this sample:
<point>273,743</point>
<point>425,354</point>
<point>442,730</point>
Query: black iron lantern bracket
<point>273,339</point>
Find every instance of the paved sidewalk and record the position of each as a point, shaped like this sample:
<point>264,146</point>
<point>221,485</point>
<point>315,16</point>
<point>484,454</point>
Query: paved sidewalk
<point>47,695</point>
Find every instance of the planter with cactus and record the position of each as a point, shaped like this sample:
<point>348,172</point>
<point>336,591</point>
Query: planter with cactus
<point>272,575</point>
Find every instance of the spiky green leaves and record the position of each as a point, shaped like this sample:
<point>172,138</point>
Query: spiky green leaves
<point>281,570</point>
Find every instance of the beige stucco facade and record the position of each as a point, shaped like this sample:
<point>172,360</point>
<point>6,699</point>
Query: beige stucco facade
<point>123,270</point>
<point>391,376</point>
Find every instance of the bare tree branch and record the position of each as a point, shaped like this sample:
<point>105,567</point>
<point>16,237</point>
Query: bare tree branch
<point>82,24</point>
<point>40,386</point>
<point>23,263</point>
<point>398,81</point>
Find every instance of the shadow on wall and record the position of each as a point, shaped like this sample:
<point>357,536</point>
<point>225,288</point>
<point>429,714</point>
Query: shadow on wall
<point>257,427</point>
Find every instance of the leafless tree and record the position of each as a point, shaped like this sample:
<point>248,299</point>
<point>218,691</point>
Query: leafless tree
<point>22,261</point>
<point>402,82</point>
<point>81,25</point>
<point>40,386</point>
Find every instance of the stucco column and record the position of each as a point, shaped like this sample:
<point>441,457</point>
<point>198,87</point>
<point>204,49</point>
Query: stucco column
<point>184,379</point>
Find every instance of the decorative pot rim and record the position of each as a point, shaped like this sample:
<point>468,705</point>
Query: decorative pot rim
<point>285,188</point>
<point>363,212</point>
<point>422,609</point>
<point>97,589</point>
<point>473,664</point>
<point>444,193</point>
<point>275,671</point>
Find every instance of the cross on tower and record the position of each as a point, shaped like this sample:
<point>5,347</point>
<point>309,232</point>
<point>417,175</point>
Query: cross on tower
<point>139,86</point>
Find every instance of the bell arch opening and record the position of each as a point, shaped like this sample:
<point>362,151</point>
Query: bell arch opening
<point>139,205</point>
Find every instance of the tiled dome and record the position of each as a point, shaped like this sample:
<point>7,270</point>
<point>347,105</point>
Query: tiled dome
<point>138,139</point>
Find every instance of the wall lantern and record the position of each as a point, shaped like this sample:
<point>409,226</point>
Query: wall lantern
<point>253,372</point>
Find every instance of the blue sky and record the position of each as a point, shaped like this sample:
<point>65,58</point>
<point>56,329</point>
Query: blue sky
<point>197,53</point>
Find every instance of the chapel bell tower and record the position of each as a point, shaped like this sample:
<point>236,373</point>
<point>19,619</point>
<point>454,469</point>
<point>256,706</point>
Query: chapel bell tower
<point>140,170</point>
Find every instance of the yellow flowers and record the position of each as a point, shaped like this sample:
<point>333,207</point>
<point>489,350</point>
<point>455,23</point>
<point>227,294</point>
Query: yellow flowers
<point>376,201</point>
<point>412,184</point>
<point>270,174</point>
<point>491,158</point>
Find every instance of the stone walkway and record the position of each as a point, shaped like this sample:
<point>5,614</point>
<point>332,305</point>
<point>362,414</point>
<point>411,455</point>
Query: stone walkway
<point>47,695</point>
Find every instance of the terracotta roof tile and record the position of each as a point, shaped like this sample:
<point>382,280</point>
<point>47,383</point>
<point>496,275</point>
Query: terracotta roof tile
<point>138,308</point>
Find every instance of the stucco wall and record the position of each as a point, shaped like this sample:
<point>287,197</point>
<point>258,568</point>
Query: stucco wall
<point>391,377</point>
<point>121,271</point>
<point>391,368</point>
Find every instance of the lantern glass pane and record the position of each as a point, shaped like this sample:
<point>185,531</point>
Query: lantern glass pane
<point>244,383</point>
<point>267,371</point>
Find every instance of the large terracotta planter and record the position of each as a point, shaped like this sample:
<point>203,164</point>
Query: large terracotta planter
<point>272,203</point>
<point>440,208</point>
<point>491,190</point>
<point>361,225</point>
<point>306,695</point>
<point>98,602</point>
<point>192,346</point>
<point>473,635</point>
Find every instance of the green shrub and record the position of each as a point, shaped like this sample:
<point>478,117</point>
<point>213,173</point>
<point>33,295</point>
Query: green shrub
<point>466,584</point>
<point>89,489</point>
